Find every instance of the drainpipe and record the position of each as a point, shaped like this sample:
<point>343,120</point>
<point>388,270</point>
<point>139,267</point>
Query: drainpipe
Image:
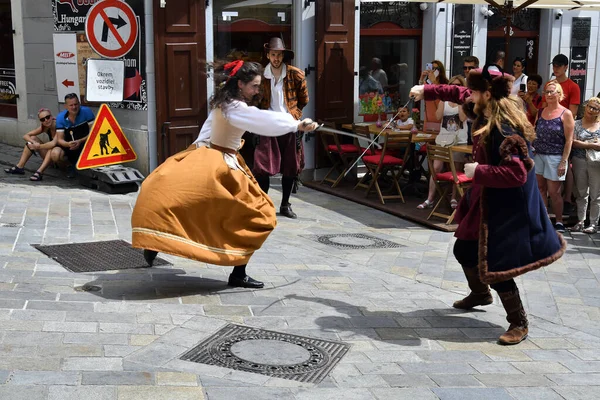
<point>150,85</point>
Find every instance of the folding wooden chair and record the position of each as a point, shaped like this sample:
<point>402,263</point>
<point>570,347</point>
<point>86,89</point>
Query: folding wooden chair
<point>378,165</point>
<point>342,156</point>
<point>450,178</point>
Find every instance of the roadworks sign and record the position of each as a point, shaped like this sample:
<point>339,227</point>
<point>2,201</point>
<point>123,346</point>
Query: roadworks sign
<point>106,144</point>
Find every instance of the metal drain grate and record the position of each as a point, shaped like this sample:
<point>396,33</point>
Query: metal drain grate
<point>97,256</point>
<point>10,225</point>
<point>354,241</point>
<point>269,353</point>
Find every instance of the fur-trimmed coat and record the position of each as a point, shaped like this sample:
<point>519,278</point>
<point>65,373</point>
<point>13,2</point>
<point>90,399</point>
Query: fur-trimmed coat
<point>504,205</point>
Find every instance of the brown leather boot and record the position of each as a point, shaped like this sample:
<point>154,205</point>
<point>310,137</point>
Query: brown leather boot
<point>516,316</point>
<point>480,292</point>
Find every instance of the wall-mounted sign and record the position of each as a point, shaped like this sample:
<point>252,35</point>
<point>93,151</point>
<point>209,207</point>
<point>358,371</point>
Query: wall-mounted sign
<point>581,30</point>
<point>126,18</point>
<point>105,80</point>
<point>65,64</point>
<point>111,28</point>
<point>8,86</point>
<point>578,70</point>
<point>462,36</point>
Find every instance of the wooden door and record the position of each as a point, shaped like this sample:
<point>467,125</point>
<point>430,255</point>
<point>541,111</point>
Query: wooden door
<point>335,64</point>
<point>180,54</point>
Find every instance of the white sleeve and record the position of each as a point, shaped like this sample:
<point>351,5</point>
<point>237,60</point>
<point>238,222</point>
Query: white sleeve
<point>204,136</point>
<point>260,122</point>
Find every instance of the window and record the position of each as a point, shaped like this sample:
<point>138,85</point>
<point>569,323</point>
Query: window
<point>390,40</point>
<point>241,28</point>
<point>8,90</point>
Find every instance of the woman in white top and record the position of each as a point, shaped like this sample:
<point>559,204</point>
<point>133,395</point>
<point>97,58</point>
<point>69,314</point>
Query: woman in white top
<point>204,203</point>
<point>519,73</point>
<point>453,131</point>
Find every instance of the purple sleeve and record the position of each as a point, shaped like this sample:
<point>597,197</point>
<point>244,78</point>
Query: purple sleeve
<point>453,93</point>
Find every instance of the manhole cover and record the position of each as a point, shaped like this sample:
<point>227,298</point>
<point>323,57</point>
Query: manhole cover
<point>97,256</point>
<point>269,353</point>
<point>354,241</point>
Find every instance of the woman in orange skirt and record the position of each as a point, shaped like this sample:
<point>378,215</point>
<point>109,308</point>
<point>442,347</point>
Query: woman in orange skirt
<point>204,203</point>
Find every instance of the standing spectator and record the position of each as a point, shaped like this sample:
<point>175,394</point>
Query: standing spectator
<point>378,73</point>
<point>453,131</point>
<point>497,62</point>
<point>572,99</point>
<point>34,143</point>
<point>587,172</point>
<point>554,132</point>
<point>72,129</point>
<point>531,98</point>
<point>519,73</point>
<point>470,63</point>
<point>284,90</point>
<point>366,83</point>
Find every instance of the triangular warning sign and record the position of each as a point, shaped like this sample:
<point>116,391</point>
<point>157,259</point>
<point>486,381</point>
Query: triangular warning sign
<point>106,144</point>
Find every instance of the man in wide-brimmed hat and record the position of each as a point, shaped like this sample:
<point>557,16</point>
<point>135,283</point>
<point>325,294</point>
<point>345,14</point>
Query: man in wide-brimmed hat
<point>283,90</point>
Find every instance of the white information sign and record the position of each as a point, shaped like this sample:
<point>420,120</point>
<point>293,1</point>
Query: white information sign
<point>105,80</point>
<point>65,63</point>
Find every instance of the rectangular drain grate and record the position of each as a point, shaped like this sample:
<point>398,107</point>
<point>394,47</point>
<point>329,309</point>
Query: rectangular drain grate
<point>353,241</point>
<point>281,355</point>
<point>97,256</point>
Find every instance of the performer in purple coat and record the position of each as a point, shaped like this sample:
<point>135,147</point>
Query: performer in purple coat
<point>504,229</point>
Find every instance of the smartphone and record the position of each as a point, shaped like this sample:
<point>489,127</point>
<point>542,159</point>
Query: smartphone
<point>523,87</point>
<point>429,66</point>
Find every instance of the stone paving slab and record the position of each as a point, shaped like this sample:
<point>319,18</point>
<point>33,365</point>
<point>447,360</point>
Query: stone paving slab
<point>393,306</point>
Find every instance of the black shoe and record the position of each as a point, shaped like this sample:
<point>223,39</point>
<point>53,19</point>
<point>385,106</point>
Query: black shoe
<point>245,282</point>
<point>568,208</point>
<point>70,172</point>
<point>149,256</point>
<point>286,211</point>
<point>559,227</point>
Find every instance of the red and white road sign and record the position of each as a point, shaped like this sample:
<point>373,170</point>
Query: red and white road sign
<point>111,28</point>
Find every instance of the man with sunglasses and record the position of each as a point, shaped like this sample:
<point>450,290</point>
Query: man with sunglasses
<point>470,63</point>
<point>72,130</point>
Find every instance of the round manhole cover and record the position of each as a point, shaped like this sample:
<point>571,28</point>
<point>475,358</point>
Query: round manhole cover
<point>273,352</point>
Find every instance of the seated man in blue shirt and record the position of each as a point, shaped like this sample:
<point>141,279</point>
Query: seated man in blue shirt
<point>72,129</point>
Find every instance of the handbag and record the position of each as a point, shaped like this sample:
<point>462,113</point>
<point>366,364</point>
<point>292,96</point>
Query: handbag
<point>592,155</point>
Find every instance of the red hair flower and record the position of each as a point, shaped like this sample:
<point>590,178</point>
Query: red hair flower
<point>234,66</point>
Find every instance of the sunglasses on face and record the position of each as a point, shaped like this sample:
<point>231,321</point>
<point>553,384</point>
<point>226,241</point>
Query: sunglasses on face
<point>593,109</point>
<point>468,68</point>
<point>550,92</point>
<point>46,118</point>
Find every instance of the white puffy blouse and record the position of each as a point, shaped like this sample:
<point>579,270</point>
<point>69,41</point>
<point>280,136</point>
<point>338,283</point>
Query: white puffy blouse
<point>225,129</point>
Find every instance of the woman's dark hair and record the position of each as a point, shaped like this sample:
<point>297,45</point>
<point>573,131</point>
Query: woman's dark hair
<point>442,78</point>
<point>227,85</point>
<point>522,61</point>
<point>535,78</point>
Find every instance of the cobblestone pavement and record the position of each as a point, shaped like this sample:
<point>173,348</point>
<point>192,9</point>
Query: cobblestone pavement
<point>392,305</point>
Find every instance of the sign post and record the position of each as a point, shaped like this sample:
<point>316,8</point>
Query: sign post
<point>65,62</point>
<point>462,36</point>
<point>105,80</point>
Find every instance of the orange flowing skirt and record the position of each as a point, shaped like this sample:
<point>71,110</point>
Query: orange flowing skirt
<point>195,206</point>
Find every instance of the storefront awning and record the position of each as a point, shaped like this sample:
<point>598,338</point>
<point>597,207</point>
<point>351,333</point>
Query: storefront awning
<point>588,5</point>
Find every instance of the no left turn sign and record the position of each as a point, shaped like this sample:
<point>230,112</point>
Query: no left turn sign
<point>111,28</point>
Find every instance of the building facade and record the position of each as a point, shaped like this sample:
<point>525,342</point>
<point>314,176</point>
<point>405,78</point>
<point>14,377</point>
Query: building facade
<point>168,48</point>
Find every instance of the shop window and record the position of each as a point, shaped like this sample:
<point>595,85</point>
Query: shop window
<point>241,28</point>
<point>8,90</point>
<point>390,33</point>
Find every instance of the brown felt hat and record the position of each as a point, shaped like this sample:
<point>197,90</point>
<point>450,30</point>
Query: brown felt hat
<point>277,44</point>
<point>499,85</point>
